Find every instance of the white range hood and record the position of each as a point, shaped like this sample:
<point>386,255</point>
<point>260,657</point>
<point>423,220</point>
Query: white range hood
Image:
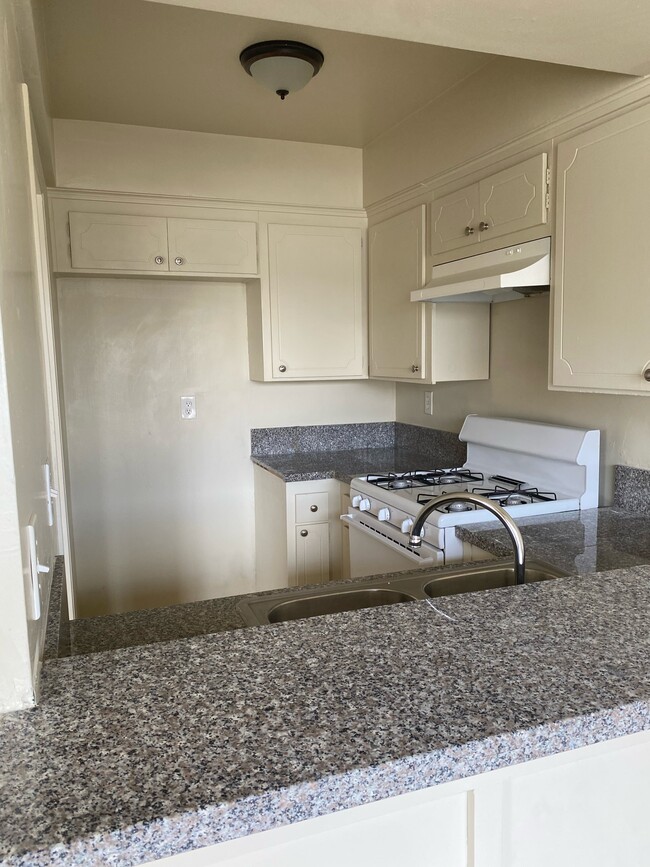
<point>501,275</point>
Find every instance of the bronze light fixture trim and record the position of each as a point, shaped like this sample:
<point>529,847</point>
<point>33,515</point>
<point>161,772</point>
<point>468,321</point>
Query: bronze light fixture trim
<point>282,65</point>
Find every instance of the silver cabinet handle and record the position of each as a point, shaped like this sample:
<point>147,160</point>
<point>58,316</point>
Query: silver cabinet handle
<point>483,226</point>
<point>304,533</point>
<point>282,368</point>
<point>159,260</point>
<point>646,374</point>
<point>469,230</point>
<point>313,508</point>
<point>415,368</point>
<point>179,260</point>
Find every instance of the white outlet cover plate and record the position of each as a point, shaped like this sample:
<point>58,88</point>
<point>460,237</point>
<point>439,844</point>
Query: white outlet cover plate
<point>188,407</point>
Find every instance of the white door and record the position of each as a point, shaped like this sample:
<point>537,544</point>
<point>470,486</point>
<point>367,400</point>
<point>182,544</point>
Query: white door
<point>602,259</point>
<point>312,554</point>
<point>513,199</point>
<point>213,246</point>
<point>397,325</point>
<point>454,220</point>
<point>317,302</point>
<point>118,242</point>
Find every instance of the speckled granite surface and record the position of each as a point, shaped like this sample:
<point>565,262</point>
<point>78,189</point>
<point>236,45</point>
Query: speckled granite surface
<point>578,542</point>
<point>344,451</point>
<point>141,753</point>
<point>56,631</point>
<point>632,489</point>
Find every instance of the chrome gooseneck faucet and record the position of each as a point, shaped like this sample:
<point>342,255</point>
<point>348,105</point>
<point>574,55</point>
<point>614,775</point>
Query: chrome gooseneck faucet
<point>476,499</point>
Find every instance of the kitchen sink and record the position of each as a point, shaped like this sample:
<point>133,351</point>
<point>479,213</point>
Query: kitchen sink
<point>317,601</point>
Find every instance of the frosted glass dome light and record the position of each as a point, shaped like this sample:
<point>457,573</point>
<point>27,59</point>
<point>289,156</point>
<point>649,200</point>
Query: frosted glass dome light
<point>281,65</point>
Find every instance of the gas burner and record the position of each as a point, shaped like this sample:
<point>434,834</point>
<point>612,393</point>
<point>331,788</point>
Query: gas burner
<point>516,500</point>
<point>448,480</point>
<point>459,506</point>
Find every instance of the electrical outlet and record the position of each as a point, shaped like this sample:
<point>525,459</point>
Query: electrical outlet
<point>428,403</point>
<point>188,407</point>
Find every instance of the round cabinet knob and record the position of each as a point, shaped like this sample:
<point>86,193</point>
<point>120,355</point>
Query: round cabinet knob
<point>384,514</point>
<point>282,368</point>
<point>483,226</point>
<point>313,508</point>
<point>179,260</point>
<point>469,230</point>
<point>355,501</point>
<point>646,374</point>
<point>407,523</point>
<point>364,505</point>
<point>415,368</point>
<point>304,533</point>
<point>159,260</point>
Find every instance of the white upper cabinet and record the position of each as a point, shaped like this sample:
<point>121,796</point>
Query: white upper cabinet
<point>100,240</point>
<point>316,302</point>
<point>416,341</point>
<point>104,242</point>
<point>601,302</point>
<point>502,204</point>
<point>213,246</point>
<point>396,267</point>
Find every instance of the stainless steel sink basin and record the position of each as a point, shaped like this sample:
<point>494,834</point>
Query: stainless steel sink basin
<point>334,603</point>
<point>317,601</point>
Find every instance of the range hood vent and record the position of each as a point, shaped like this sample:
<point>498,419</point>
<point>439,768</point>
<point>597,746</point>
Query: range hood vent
<point>512,272</point>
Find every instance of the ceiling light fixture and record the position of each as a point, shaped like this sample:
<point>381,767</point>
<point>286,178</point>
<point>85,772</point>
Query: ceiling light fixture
<point>282,65</point>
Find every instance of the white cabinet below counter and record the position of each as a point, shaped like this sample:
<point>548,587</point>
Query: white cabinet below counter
<point>298,538</point>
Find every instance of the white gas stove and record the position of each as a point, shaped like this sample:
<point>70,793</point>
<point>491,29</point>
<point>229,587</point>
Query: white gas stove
<point>527,467</point>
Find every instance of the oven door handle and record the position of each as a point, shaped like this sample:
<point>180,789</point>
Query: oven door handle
<point>407,552</point>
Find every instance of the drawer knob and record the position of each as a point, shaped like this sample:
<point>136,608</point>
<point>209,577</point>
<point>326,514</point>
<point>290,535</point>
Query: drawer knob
<point>282,368</point>
<point>159,260</point>
<point>304,533</point>
<point>646,374</point>
<point>313,508</point>
<point>483,226</point>
<point>179,260</point>
<point>469,230</point>
<point>415,368</point>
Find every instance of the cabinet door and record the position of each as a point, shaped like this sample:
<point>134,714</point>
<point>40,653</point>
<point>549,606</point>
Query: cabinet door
<point>454,220</point>
<point>213,246</point>
<point>312,554</point>
<point>118,242</point>
<point>317,302</point>
<point>513,199</point>
<point>601,338</point>
<point>396,268</point>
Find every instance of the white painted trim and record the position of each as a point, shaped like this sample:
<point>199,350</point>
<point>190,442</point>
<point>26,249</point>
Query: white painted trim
<point>458,175</point>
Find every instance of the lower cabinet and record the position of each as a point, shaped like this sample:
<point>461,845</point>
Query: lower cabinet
<point>582,808</point>
<point>298,538</point>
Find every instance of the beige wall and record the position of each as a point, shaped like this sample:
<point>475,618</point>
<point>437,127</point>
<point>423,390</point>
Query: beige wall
<point>23,414</point>
<point>162,509</point>
<point>499,103</point>
<point>137,159</point>
<point>518,388</point>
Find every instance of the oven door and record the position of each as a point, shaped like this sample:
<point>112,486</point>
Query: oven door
<point>376,550</point>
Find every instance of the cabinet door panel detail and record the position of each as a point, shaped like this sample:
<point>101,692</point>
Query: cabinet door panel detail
<point>213,246</point>
<point>515,198</point>
<point>118,242</point>
<point>316,291</point>
<point>451,216</point>
<point>602,263</point>
<point>397,325</point>
<point>312,553</point>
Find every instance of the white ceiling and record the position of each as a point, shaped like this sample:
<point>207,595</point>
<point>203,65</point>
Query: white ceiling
<point>164,65</point>
<point>611,35</point>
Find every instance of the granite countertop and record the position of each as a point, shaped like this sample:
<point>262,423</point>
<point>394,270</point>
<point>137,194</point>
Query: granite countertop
<point>345,465</point>
<point>578,542</point>
<point>140,753</point>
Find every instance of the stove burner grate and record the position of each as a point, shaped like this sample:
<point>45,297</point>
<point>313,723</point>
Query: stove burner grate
<point>424,478</point>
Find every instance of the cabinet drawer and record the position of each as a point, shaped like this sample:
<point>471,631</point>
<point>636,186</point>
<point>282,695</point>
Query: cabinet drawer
<point>312,507</point>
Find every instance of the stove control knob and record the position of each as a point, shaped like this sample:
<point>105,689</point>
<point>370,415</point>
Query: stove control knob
<point>407,523</point>
<point>384,514</point>
<point>355,501</point>
<point>364,505</point>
